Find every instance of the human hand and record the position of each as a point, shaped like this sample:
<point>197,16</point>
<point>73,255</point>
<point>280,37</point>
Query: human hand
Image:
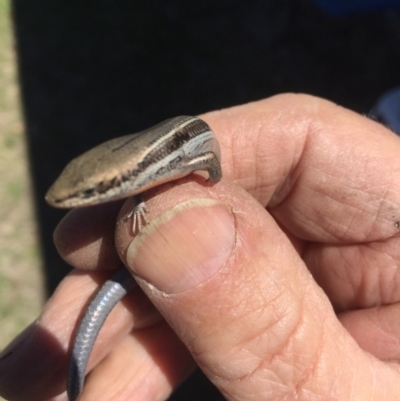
<point>308,187</point>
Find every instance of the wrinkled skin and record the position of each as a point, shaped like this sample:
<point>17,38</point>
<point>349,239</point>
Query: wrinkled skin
<point>281,282</point>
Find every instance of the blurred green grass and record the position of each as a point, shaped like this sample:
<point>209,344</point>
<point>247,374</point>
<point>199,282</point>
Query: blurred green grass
<point>21,294</point>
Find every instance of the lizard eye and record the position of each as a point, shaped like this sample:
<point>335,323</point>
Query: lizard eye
<point>87,193</point>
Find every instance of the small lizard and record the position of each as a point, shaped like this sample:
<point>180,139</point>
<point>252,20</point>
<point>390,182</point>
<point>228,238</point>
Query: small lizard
<point>117,169</point>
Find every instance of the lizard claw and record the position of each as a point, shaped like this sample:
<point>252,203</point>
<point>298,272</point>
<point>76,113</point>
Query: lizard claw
<point>139,216</point>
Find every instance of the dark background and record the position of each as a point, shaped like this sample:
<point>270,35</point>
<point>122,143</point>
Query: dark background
<point>91,70</point>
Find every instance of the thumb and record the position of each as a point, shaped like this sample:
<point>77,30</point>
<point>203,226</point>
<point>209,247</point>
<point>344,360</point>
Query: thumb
<point>232,286</point>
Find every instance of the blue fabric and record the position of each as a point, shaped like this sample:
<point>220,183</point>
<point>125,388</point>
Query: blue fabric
<point>339,7</point>
<point>387,109</point>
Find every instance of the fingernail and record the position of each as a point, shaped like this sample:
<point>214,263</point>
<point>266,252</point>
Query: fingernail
<point>7,361</point>
<point>17,342</point>
<point>35,358</point>
<point>185,246</point>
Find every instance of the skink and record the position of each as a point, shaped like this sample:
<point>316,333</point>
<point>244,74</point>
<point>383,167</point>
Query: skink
<point>117,169</point>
